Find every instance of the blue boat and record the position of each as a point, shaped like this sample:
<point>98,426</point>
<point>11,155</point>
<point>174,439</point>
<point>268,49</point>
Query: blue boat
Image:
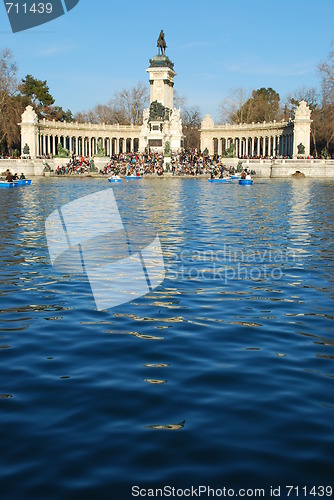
<point>4,184</point>
<point>23,182</point>
<point>133,177</point>
<point>114,180</point>
<point>235,177</point>
<point>224,180</point>
<point>246,182</point>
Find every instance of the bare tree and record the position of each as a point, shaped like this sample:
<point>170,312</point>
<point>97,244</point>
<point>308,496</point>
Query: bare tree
<point>232,103</point>
<point>191,124</point>
<point>131,103</point>
<point>10,104</point>
<point>125,107</point>
<point>312,97</point>
<point>180,101</point>
<point>326,70</point>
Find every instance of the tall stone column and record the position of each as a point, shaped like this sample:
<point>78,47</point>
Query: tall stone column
<point>302,129</point>
<point>44,144</point>
<point>219,146</point>
<point>29,132</point>
<point>258,146</point>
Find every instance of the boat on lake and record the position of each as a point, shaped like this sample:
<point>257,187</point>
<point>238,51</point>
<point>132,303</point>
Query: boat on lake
<point>23,182</point>
<point>133,177</point>
<point>246,182</point>
<point>115,179</point>
<point>223,180</point>
<point>5,184</point>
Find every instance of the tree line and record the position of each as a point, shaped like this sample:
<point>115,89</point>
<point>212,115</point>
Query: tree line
<point>126,107</point>
<point>265,104</point>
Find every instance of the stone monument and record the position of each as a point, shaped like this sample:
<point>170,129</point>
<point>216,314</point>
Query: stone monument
<point>161,122</point>
<point>302,129</point>
<point>29,132</point>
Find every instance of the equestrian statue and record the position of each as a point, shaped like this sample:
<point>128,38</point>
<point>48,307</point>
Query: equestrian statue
<point>161,44</point>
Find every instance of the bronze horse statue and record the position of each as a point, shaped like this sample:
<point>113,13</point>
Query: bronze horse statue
<point>161,44</point>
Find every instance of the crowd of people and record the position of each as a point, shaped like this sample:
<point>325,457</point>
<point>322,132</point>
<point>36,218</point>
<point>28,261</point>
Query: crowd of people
<point>182,163</point>
<point>77,165</point>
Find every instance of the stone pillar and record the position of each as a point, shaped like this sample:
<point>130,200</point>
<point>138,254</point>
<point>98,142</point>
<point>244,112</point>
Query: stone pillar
<point>302,129</point>
<point>29,132</point>
<point>219,147</point>
<point>246,152</point>
<point>90,146</point>
<point>76,145</point>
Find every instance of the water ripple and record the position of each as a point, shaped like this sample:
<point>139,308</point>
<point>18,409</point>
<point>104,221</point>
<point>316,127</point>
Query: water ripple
<point>234,349</point>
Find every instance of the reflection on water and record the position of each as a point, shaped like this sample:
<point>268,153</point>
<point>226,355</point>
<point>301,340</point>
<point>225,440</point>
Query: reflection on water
<point>246,360</point>
<point>300,223</point>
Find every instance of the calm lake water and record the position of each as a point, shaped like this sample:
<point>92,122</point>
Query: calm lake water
<point>222,376</point>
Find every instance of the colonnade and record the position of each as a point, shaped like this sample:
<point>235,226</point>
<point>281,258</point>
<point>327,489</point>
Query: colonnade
<point>256,146</point>
<point>83,145</point>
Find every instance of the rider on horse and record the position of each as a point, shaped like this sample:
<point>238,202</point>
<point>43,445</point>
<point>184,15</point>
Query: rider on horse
<point>161,44</point>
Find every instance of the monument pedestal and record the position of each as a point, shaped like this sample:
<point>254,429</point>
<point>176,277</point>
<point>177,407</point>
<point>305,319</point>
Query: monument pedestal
<point>161,122</point>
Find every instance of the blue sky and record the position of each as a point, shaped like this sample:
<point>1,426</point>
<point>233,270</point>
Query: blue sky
<point>102,46</point>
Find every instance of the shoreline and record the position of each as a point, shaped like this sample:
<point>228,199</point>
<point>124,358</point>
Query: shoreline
<point>278,168</point>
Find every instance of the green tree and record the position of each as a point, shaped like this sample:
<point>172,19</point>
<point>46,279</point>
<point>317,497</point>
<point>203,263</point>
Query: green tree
<point>57,113</point>
<point>263,105</point>
<point>37,93</point>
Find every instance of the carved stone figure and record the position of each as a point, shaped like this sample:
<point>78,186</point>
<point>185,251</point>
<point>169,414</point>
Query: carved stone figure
<point>301,149</point>
<point>62,152</point>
